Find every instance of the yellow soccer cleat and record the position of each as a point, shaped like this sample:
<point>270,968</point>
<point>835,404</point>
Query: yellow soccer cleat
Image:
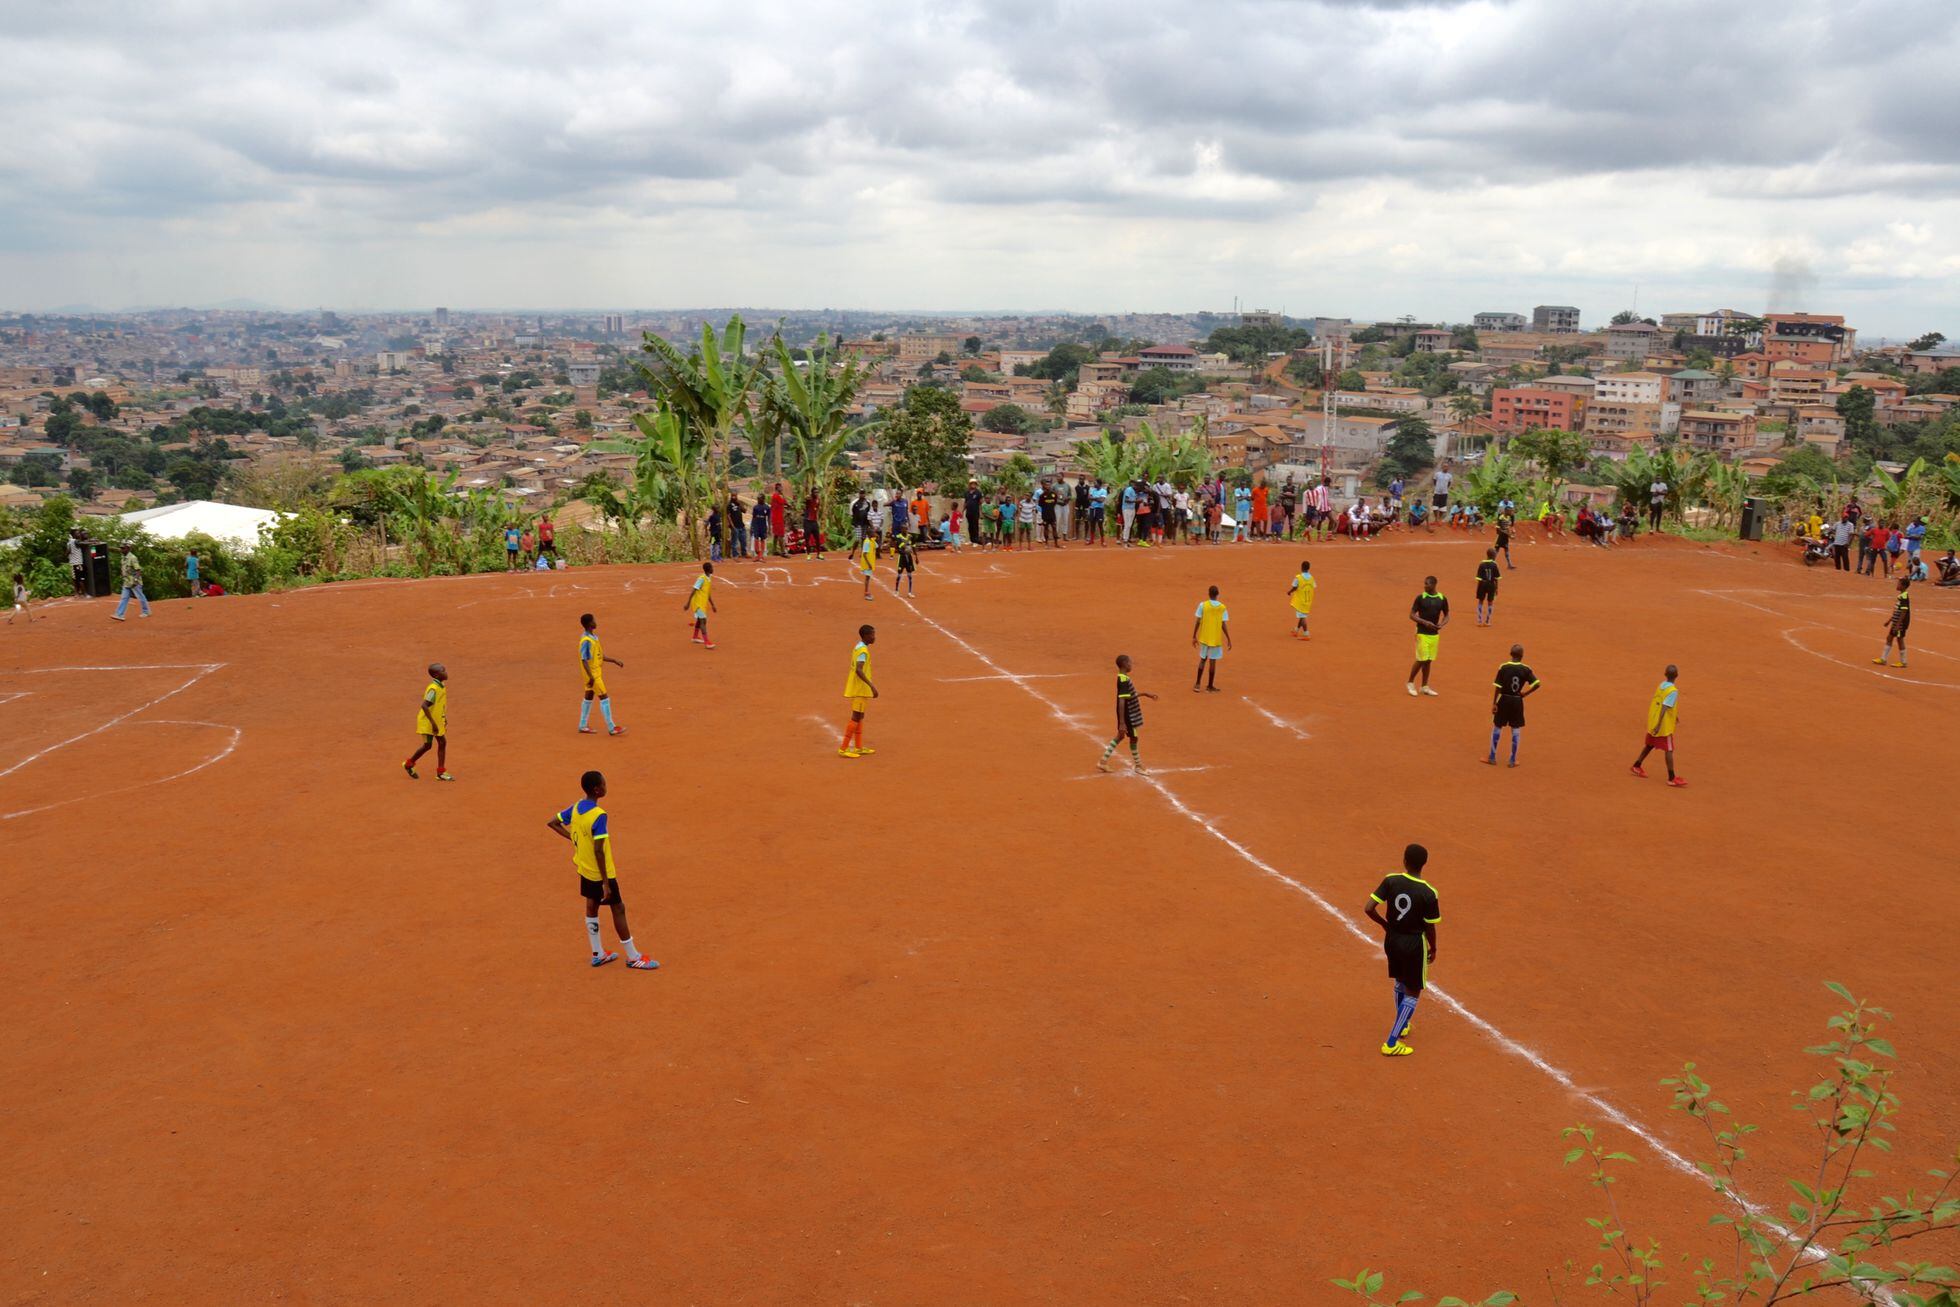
<point>847,753</point>
<point>1396,1050</point>
<point>865,751</point>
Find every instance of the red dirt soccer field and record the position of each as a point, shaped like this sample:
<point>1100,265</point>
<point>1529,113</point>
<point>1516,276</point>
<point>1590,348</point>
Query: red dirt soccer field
<point>964,1022</point>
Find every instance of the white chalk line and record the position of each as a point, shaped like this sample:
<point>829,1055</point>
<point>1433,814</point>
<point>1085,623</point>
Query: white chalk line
<point>9,698</point>
<point>205,670</point>
<point>1145,775</point>
<point>1873,668</point>
<point>1823,626</point>
<point>1034,676</point>
<point>237,734</point>
<point>1276,719</point>
<point>1505,1042</point>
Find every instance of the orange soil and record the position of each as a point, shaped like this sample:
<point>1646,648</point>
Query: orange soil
<point>963,1021</point>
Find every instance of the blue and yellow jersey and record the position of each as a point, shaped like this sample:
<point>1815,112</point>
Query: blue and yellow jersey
<point>868,553</point>
<point>703,586</point>
<point>591,841</point>
<point>590,655</point>
<point>1663,709</point>
<point>855,685</point>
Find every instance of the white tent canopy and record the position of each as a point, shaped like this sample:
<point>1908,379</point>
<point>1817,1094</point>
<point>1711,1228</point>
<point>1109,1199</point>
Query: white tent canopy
<point>230,523</point>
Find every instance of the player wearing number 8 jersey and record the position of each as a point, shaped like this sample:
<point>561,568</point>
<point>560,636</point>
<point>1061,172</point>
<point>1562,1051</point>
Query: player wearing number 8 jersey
<point>1407,909</point>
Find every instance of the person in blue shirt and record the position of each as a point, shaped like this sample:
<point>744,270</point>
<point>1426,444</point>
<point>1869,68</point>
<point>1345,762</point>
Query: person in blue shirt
<point>1098,512</point>
<point>1915,537</point>
<point>1241,511</point>
<point>1395,499</point>
<point>1129,510</point>
<point>511,534</point>
<point>190,574</point>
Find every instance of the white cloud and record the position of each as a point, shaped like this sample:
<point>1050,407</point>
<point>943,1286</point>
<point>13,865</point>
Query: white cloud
<point>1337,157</point>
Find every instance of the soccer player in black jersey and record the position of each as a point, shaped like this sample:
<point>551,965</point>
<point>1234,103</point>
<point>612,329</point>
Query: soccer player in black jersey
<point>1129,715</point>
<point>1487,588</point>
<point>1407,909</point>
<point>1431,613</point>
<point>1513,684</point>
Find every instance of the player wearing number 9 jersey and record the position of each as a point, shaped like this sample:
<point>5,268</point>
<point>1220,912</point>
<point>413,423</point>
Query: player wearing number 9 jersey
<point>1407,909</point>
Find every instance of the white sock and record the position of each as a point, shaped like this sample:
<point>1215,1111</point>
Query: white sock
<point>632,951</point>
<point>592,934</point>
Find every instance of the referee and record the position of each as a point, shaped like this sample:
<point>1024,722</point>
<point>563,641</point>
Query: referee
<point>1513,684</point>
<point>1408,938</point>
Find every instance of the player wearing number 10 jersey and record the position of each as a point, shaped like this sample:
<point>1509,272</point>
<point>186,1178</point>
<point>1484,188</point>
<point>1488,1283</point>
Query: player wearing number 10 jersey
<point>1405,906</point>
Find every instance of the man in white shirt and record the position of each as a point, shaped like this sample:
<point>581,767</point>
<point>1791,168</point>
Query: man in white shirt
<point>1656,501</point>
<point>1440,500</point>
<point>77,568</point>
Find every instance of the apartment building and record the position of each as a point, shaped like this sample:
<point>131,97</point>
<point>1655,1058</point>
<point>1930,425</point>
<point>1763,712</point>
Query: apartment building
<point>1795,384</point>
<point>1693,388</point>
<point>1631,342</point>
<point>919,349</point>
<point>1518,408</point>
<point>1498,322</point>
<point>1559,318</point>
<point>1176,358</point>
<point>1393,399</point>
<point>1820,426</point>
<point>1720,433</point>
<point>1818,339</point>
<point>1434,340</point>
<point>1629,401</point>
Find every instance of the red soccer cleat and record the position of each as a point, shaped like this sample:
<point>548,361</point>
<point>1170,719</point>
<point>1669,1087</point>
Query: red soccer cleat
<point>1677,782</point>
<point>1638,770</point>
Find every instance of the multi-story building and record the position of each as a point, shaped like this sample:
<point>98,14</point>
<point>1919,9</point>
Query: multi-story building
<point>1820,425</point>
<point>1177,358</point>
<point>442,317</point>
<point>1484,322</point>
<point>1517,408</point>
<point>1693,388</point>
<point>1434,340</point>
<point>1393,399</point>
<point>393,360</point>
<point>1718,432</point>
<point>1555,317</point>
<point>1813,338</point>
<point>582,374</point>
<point>1632,341</point>
<point>1011,359</point>
<point>924,348</point>
<point>1628,401</point>
<point>1794,384</point>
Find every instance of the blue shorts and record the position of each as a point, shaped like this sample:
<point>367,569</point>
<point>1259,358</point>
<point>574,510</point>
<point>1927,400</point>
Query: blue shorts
<point>1211,652</point>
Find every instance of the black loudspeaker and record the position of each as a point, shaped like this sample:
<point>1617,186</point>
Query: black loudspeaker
<point>96,571</point>
<point>1754,511</point>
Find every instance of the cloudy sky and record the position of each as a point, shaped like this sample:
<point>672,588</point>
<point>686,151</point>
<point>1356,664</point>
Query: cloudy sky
<point>1341,158</point>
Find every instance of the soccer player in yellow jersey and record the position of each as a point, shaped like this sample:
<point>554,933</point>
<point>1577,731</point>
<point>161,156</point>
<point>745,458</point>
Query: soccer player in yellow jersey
<point>586,826</point>
<point>432,724</point>
<point>1302,591</point>
<point>867,559</point>
<point>1663,710</point>
<point>1211,636</point>
<point>592,662</point>
<point>860,691</point>
<point>700,602</point>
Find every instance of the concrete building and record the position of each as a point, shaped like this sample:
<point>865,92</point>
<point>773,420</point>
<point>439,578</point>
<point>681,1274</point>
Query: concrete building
<point>1434,340</point>
<point>1631,341</point>
<point>1794,384</point>
<point>925,348</point>
<point>582,374</point>
<point>1517,408</point>
<point>1720,433</point>
<point>1484,322</point>
<point>442,317</point>
<point>1813,338</point>
<point>1177,358</point>
<point>1693,388</point>
<point>1561,318</point>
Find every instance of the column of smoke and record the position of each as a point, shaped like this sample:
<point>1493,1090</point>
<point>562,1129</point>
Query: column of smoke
<point>1790,284</point>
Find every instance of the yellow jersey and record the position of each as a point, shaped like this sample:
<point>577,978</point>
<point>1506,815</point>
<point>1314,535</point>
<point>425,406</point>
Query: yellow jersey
<point>433,719</point>
<point>591,656</point>
<point>868,553</point>
<point>1664,708</point>
<point>1303,588</point>
<point>703,586</point>
<point>591,841</point>
<point>1211,622</point>
<point>855,685</point>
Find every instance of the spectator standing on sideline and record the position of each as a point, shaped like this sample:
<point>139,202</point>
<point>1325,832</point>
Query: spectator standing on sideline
<point>190,575</point>
<point>738,533</point>
<point>1881,536</point>
<point>1656,502</point>
<point>20,600</point>
<point>1289,504</point>
<point>1129,502</point>
<point>513,541</point>
<point>759,526</point>
<point>1915,537</point>
<point>529,545</point>
<point>1440,500</point>
<point>813,525</point>
<point>778,520</point>
<point>547,538</point>
<point>77,561</point>
<point>132,584</point>
<point>860,519</point>
<point>1841,545</point>
<point>973,511</point>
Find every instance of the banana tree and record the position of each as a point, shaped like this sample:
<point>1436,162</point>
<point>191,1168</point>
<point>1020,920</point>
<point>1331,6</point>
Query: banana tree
<point>419,504</point>
<point>671,472</point>
<point>1495,478</point>
<point>813,406</point>
<point>1112,461</point>
<point>1895,493</point>
<point>711,389</point>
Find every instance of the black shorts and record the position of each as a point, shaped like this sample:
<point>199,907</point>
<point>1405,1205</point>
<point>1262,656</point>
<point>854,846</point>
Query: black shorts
<point>1487,590</point>
<point>1509,712</point>
<point>1408,960</point>
<point>601,891</point>
<point>1900,622</point>
<point>547,546</point>
<point>1096,513</point>
<point>1439,501</point>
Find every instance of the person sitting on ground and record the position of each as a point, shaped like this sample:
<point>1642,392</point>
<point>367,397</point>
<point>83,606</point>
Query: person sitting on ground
<point>1949,570</point>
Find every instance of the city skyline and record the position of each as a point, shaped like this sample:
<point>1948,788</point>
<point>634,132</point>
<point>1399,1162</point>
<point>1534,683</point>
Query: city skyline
<point>1340,159</point>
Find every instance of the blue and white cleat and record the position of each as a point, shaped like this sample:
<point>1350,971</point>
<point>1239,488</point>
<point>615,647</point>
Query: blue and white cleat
<point>644,963</point>
<point>600,959</point>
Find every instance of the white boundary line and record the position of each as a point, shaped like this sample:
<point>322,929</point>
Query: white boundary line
<point>1034,676</point>
<point>206,670</point>
<point>1869,668</point>
<point>237,734</point>
<point>1154,771</point>
<point>1483,1026</point>
<point>1276,719</point>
